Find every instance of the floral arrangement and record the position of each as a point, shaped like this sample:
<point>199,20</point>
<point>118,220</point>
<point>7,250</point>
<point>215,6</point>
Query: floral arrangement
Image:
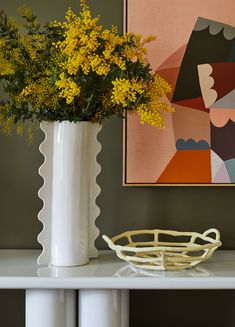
<point>75,70</point>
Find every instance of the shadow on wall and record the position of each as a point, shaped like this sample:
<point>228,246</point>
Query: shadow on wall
<point>182,308</point>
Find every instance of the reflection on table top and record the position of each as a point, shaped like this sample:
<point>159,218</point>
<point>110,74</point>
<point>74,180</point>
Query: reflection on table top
<point>19,269</point>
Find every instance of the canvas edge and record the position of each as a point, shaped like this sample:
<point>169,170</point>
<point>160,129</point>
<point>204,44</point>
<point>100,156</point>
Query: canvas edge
<point>124,183</point>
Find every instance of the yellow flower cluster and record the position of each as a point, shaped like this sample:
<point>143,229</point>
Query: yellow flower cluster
<point>40,94</point>
<point>112,40</point>
<point>153,112</point>
<point>82,39</point>
<point>125,91</point>
<point>87,48</point>
<point>2,44</point>
<point>26,11</point>
<point>16,54</point>
<point>76,70</point>
<point>139,51</point>
<point>13,23</point>
<point>6,123</point>
<point>6,67</point>
<point>8,59</point>
<point>20,128</point>
<point>69,88</point>
<point>33,43</point>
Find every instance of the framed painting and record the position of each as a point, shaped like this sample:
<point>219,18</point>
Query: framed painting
<point>195,53</point>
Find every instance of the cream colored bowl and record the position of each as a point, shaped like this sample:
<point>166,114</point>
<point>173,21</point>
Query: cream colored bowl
<point>164,249</point>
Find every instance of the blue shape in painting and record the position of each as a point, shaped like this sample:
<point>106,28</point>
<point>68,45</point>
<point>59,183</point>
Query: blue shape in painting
<point>190,144</point>
<point>230,165</point>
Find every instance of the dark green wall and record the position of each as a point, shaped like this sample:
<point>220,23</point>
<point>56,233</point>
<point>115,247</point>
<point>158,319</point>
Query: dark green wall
<point>191,208</point>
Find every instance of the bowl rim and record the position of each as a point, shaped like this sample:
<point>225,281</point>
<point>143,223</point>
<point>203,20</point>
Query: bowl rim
<point>211,242</point>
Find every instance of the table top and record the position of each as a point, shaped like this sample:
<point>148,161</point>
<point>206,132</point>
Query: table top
<point>19,270</point>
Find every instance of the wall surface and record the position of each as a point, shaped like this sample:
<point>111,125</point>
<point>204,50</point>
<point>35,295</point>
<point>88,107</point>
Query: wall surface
<point>122,208</point>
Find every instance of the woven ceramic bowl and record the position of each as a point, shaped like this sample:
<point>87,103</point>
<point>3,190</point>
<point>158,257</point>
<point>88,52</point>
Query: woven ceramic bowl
<point>164,249</point>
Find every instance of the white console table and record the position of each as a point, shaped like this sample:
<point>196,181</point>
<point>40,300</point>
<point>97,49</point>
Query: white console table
<point>103,286</point>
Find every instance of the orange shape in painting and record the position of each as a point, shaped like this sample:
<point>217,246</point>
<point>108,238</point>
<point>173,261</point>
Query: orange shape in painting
<point>188,167</point>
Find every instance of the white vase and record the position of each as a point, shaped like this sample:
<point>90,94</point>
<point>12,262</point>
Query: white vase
<point>69,193</point>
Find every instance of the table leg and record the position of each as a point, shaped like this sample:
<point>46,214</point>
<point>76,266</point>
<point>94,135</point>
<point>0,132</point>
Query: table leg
<point>50,308</point>
<point>103,308</point>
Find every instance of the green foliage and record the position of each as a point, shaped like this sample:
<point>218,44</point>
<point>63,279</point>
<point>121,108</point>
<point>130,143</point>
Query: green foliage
<point>74,71</point>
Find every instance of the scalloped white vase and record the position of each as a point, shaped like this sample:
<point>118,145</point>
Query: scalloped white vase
<point>69,193</point>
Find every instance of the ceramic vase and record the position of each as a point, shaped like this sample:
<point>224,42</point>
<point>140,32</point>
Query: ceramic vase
<point>69,193</point>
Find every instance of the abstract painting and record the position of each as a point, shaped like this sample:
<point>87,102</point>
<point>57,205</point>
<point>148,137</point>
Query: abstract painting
<point>195,53</point>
